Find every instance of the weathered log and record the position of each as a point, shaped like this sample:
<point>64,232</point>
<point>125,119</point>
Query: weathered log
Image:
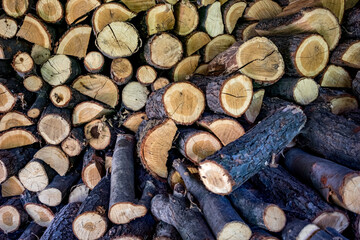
<point>260,234</point>
<point>12,215</point>
<point>245,30</point>
<point>40,54</point>
<point>74,143</point>
<point>40,213</point>
<point>346,54</point>
<point>79,192</point>
<point>299,229</point>
<point>32,232</point>
<point>134,96</point>
<point>94,62</point>
<point>356,85</point>
<point>337,101</point>
<point>351,22</point>
<point>165,231</point>
<point>93,168</point>
<point>14,119</point>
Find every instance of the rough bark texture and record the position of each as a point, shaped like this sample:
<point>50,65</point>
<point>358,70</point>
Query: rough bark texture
<point>32,232</point>
<point>356,85</point>
<point>165,231</point>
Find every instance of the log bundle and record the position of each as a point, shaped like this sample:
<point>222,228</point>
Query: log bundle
<point>178,119</point>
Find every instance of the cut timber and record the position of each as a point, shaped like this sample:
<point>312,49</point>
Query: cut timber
<point>196,145</point>
<point>59,69</point>
<point>38,106</point>
<point>260,234</point>
<point>204,3</point>
<point>32,232</point>
<point>61,225</point>
<point>298,200</point>
<point>230,167</point>
<point>64,96</point>
<point>9,47</point>
<point>121,71</point>
<point>351,22</point>
<point>245,31</point>
<point>74,143</point>
<point>8,27</point>
<point>122,206</point>
<point>175,178</point>
<point>163,51</point>
<point>333,137</point>
<point>134,96</point>
<point>159,83</point>
<point>299,229</point>
<point>256,211</point>
<point>50,11</point>
<point>155,139</point>
<point>232,11</point>
<point>183,102</point>
<point>36,175</point>
<point>230,95</point>
<point>40,54</point>
<point>133,121</point>
<point>257,58</point>
<point>108,13</point>
<point>55,124</point>
<point>219,125</point>
<point>34,31</point>
<point>262,9</point>
<point>222,218</point>
<point>165,231</point>
<point>118,39</point>
<point>74,42</point>
<point>12,160</point>
<point>91,221</point>
<point>146,75</point>
<point>18,137</point>
<point>318,20</point>
<point>217,45</point>
<point>14,119</point>
<point>159,18</point>
<point>211,20</point>
<point>337,184</point>
<point>355,224</point>
<point>56,191</point>
<point>350,4</point>
<point>255,106</point>
<point>87,111</point>
<point>8,98</point>
<point>78,193</point>
<point>338,102</point>
<point>98,134</point>
<point>12,215</point>
<point>98,87</point>
<point>55,158</point>
<point>337,7</point>
<point>23,64</point>
<point>40,213</point>
<point>139,5</point>
<point>15,8</point>
<point>93,168</point>
<point>196,41</point>
<point>304,54</point>
<point>77,10</point>
<point>94,62</point>
<point>33,83</point>
<point>335,77</point>
<point>187,18</point>
<point>185,68</point>
<point>303,91</point>
<point>356,85</point>
<point>12,187</point>
<point>346,54</point>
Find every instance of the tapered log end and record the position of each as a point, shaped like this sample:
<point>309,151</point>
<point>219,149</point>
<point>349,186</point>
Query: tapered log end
<point>235,231</point>
<point>10,218</point>
<point>351,193</point>
<point>40,214</point>
<point>124,212</point>
<point>89,225</point>
<point>337,220</point>
<point>215,178</point>
<point>274,218</point>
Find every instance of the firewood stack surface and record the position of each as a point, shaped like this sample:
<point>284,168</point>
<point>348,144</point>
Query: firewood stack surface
<point>178,119</point>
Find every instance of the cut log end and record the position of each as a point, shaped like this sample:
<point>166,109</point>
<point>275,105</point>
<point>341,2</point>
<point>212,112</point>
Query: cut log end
<point>72,147</point>
<point>351,191</point>
<point>79,193</point>
<point>55,158</point>
<point>54,128</point>
<point>187,18</point>
<point>15,8</point>
<point>335,77</point>
<point>10,218</point>
<point>134,120</point>
<point>185,68</point>
<point>91,175</point>
<point>254,109</point>
<point>40,214</point>
<point>134,96</point>
<point>274,218</point>
<point>33,83</point>
<point>34,177</point>
<point>3,171</point>
<point>234,230</point>
<point>98,134</point>
<point>76,10</point>
<point>146,74</point>
<point>8,27</point>
<point>16,138</point>
<point>60,96</point>
<point>50,11</point>
<point>264,9</point>
<point>14,119</point>
<point>89,225</point>
<point>337,220</point>
<point>306,91</point>
<point>75,41</point>
<point>7,101</point>
<point>87,111</point>
<point>12,187</point>
<point>159,83</point>
<point>159,18</point>
<point>218,45</point>
<point>232,14</point>
<point>124,212</point>
<point>51,197</point>
<point>121,70</point>
<point>23,63</point>
<point>94,62</point>
<point>196,41</point>
<point>57,70</point>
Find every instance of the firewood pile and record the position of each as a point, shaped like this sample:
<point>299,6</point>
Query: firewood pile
<point>178,119</point>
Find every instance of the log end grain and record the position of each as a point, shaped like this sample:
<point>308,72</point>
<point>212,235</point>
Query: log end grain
<point>10,218</point>
<point>274,218</point>
<point>124,212</point>
<point>89,225</point>
<point>235,230</point>
<point>41,214</point>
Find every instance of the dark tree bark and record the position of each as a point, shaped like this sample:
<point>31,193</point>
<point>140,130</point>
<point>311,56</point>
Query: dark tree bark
<point>32,232</point>
<point>165,231</point>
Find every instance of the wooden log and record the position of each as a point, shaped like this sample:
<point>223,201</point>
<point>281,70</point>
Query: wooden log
<point>195,41</point>
<point>351,22</point>
<point>34,83</point>
<point>87,111</point>
<point>217,45</point>
<point>337,184</point>
<point>14,119</point>
<point>63,96</point>
<point>356,85</point>
<point>338,101</point>
<point>40,103</point>
<point>40,54</point>
<point>185,68</point>
<point>77,10</point>
<point>18,137</point>
<point>186,18</point>
<point>32,232</point>
<point>61,226</point>
<point>139,5</point>
<point>146,75</point>
<point>222,218</point>
<point>189,222</point>
<point>12,187</point>
<point>159,18</point>
<point>155,139</point>
<point>299,200</point>
<point>40,213</point>
<point>183,102</point>
<point>233,163</point>
<point>91,221</point>
<point>134,96</point>
<point>335,77</point>
<point>74,143</point>
<point>332,137</point>
<point>211,20</point>
<point>328,233</point>
<point>299,229</point>
<point>12,215</point>
<point>162,57</point>
<point>99,134</point>
<point>265,66</point>
<point>260,234</point>
<point>295,23</point>
<point>50,11</point>
<point>346,54</point>
<point>165,231</point>
<point>255,106</point>
<point>245,30</point>
<point>94,62</point>
<point>9,47</point>
<point>78,192</point>
<point>232,11</point>
<point>263,9</point>
<point>8,27</point>
<point>121,71</point>
<point>93,168</point>
<point>159,83</point>
<point>15,9</point>
<point>256,211</point>
<point>55,158</point>
<point>133,121</point>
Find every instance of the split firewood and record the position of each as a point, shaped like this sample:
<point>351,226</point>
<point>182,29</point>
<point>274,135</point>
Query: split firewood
<point>245,30</point>
<point>255,106</point>
<point>346,54</point>
<point>186,18</point>
<point>40,213</point>
<point>40,54</point>
<point>12,215</point>
<point>139,5</point>
<point>299,200</point>
<point>12,187</point>
<point>134,96</point>
<point>121,71</point>
<point>87,111</point>
<point>189,222</point>
<point>337,141</point>
<point>222,218</point>
<point>50,11</point>
<point>303,90</point>
<point>91,221</point>
<point>335,77</point>
<point>338,102</point>
<point>165,231</point>
<point>265,66</point>
<point>18,137</point>
<point>257,212</point>
<point>351,21</point>
<point>211,20</point>
<point>155,139</point>
<point>77,10</point>
<point>63,96</point>
<point>202,69</point>
<point>61,225</point>
<point>93,168</point>
<point>233,163</point>
<point>14,119</point>
<point>8,27</point>
<point>74,143</point>
<point>335,183</point>
<point>133,121</point>
<point>79,192</point>
<point>94,62</point>
<point>34,83</point>
<point>40,103</point>
<point>299,229</point>
<point>260,234</point>
<point>356,85</point>
<point>262,9</point>
<point>318,20</point>
<point>32,232</point>
<point>159,18</point>
<point>232,11</point>
<point>185,68</point>
<point>55,158</point>
<point>195,41</point>
<point>16,8</point>
<point>217,45</point>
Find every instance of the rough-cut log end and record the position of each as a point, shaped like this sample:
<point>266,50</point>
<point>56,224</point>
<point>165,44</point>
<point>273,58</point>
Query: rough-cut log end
<point>133,121</point>
<point>33,83</point>
<point>196,41</point>
<point>34,176</point>
<point>159,18</point>
<point>234,230</point>
<point>336,219</point>
<point>14,119</point>
<point>124,212</point>
<point>231,14</point>
<point>51,197</point>
<point>94,62</point>
<point>58,70</point>
<point>254,109</point>
<point>87,111</point>
<point>346,54</point>
<point>54,128</point>
<point>263,9</point>
<point>10,218</point>
<point>8,27</point>
<point>121,71</point>
<point>50,11</point>
<point>350,193</point>
<point>16,138</point>
<point>159,83</point>
<point>60,96</point>
<point>76,10</point>
<point>185,68</point>
<point>186,17</point>
<point>98,134</point>
<point>55,158</point>
<point>41,214</point>
<point>217,45</point>
<point>8,100</point>
<point>134,96</point>
<point>79,193</point>
<point>12,187</point>
<point>274,218</point>
<point>15,8</point>
<point>89,225</point>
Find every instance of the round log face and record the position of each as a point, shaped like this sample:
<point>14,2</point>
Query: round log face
<point>87,111</point>
<point>134,96</point>
<point>98,134</point>
<point>337,220</point>
<point>235,231</point>
<point>75,41</point>
<point>306,91</point>
<point>146,74</point>
<point>33,83</point>
<point>337,77</point>
<point>94,61</point>
<point>53,128</point>
<point>15,8</point>
<point>220,129</point>
<point>196,41</point>
<point>40,214</point>
<point>89,225</point>
<point>50,11</point>
<point>8,27</point>
<point>201,145</point>
<point>351,193</point>
<point>12,187</point>
<point>121,70</point>
<point>159,18</point>
<point>22,62</point>
<point>352,56</point>
<point>56,70</point>
<point>91,176</point>
<point>34,177</point>
<point>233,14</point>
<point>122,213</point>
<point>9,219</point>
<point>274,218</point>
<point>51,197</point>
<point>60,96</point>
<point>187,18</point>
<point>160,83</point>
<point>71,147</point>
